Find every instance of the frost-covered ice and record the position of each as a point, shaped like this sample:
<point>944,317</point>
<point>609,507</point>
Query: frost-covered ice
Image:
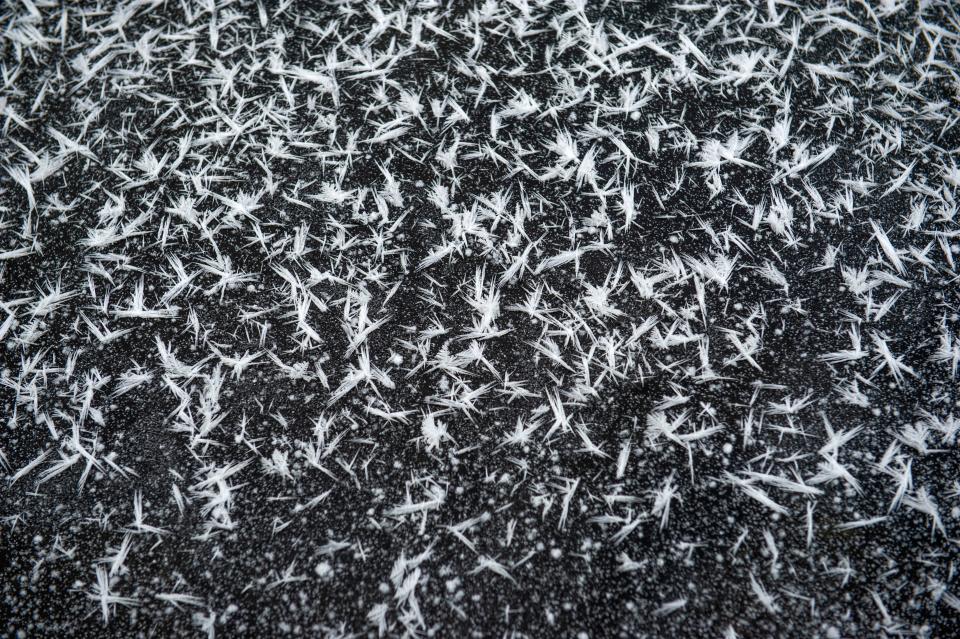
<point>507,318</point>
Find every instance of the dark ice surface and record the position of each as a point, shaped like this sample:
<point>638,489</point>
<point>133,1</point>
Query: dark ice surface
<point>514,318</point>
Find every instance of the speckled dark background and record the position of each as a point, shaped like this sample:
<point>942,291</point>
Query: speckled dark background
<point>55,532</point>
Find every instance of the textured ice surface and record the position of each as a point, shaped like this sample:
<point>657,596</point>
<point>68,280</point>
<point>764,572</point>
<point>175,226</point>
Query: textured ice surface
<point>504,318</point>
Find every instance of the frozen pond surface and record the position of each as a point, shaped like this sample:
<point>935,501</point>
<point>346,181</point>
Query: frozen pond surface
<point>498,319</point>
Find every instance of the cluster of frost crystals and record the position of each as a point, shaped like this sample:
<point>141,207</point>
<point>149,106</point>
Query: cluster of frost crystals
<point>528,318</point>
